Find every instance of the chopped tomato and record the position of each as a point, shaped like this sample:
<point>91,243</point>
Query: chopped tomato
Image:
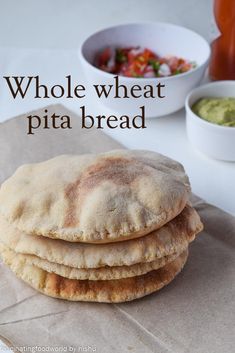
<point>104,57</point>
<point>140,62</point>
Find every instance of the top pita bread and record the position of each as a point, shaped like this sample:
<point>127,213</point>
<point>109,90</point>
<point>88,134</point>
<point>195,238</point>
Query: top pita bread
<point>95,198</point>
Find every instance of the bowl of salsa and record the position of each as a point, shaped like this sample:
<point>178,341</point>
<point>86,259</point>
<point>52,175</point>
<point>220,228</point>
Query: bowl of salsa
<point>163,62</point>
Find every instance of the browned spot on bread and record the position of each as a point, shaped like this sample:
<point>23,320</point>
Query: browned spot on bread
<point>183,226</point>
<point>71,194</point>
<point>180,223</point>
<point>120,171</point>
<point>19,210</point>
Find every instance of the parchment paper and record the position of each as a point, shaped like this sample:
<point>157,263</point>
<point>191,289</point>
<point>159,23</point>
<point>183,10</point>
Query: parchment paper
<point>195,313</point>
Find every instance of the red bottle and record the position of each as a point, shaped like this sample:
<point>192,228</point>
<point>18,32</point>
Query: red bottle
<point>222,65</point>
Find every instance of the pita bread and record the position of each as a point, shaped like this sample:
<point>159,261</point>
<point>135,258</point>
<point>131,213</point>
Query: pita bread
<point>95,198</point>
<point>94,274</point>
<point>172,238</point>
<point>113,291</point>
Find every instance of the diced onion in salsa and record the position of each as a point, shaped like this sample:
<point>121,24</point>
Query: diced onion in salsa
<point>140,62</point>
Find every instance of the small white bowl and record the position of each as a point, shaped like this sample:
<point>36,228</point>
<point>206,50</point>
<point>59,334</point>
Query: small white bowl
<point>162,38</point>
<point>214,140</point>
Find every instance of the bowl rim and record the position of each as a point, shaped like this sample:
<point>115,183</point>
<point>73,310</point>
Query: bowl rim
<point>198,118</point>
<point>125,78</point>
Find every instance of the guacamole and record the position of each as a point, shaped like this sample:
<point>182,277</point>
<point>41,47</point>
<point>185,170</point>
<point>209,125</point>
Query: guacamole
<point>219,111</point>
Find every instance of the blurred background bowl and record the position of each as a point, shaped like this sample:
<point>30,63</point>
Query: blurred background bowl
<point>163,39</point>
<point>214,140</point>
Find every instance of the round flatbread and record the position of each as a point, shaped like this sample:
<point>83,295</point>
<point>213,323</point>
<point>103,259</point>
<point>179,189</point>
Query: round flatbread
<point>102,198</point>
<point>113,291</point>
<point>93,274</point>
<point>172,238</point>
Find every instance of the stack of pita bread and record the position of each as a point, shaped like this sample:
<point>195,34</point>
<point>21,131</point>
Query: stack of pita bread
<point>111,227</point>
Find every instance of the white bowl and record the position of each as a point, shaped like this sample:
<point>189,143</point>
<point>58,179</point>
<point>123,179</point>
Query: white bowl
<point>164,39</point>
<point>214,140</point>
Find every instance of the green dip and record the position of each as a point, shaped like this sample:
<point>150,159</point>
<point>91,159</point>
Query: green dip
<point>219,111</point>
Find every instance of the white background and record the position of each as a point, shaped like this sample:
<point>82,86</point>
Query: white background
<point>41,38</point>
<point>64,23</point>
